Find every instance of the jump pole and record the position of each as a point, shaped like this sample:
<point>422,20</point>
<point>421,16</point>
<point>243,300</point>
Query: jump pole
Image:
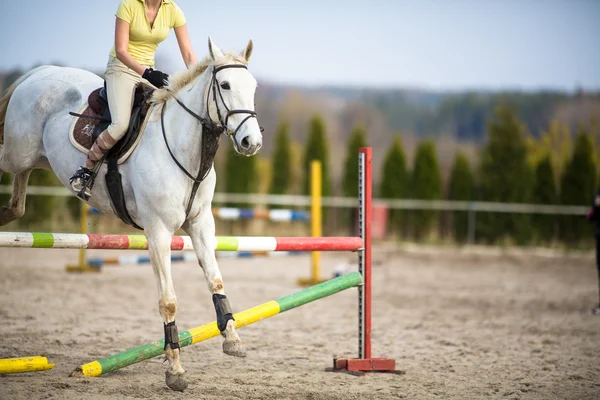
<point>25,364</point>
<point>204,332</point>
<point>139,242</point>
<point>276,215</point>
<point>364,362</point>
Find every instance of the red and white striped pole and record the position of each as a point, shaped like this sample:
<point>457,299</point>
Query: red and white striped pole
<point>364,362</point>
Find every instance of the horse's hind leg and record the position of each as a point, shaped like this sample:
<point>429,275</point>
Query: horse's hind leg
<point>16,206</point>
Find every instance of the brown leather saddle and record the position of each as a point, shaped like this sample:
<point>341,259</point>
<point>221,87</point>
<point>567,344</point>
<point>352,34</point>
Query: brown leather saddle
<point>96,118</point>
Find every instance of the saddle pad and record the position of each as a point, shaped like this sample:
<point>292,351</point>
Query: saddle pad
<point>82,128</point>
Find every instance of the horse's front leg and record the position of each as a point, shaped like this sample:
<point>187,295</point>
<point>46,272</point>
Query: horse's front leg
<point>159,245</point>
<point>202,233</point>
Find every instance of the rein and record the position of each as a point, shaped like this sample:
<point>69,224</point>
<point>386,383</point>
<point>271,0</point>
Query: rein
<point>209,127</point>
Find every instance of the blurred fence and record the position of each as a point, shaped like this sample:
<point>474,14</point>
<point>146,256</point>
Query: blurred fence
<point>265,200</point>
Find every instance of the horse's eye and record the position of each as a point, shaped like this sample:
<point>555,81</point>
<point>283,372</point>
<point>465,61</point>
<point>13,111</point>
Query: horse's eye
<point>225,86</point>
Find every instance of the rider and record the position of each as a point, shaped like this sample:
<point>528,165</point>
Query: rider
<point>140,26</point>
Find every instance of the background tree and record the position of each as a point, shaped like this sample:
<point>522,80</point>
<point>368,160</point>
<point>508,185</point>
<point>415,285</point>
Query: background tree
<point>461,187</point>
<point>505,176</point>
<point>5,180</point>
<point>240,175</point>
<point>350,177</point>
<point>577,188</point>
<point>40,209</point>
<point>281,162</point>
<point>317,149</point>
<point>426,185</point>
<point>544,192</point>
<point>395,182</point>
<point>555,142</point>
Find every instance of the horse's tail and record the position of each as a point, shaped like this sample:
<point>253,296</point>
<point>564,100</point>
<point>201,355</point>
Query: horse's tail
<point>6,99</point>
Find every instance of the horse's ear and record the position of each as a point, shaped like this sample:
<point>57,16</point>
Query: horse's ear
<point>214,51</point>
<point>247,52</point>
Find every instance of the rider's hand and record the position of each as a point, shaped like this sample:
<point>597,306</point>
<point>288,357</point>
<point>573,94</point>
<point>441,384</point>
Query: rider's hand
<point>155,77</point>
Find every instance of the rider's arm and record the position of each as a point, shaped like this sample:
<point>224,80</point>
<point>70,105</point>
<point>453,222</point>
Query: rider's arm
<point>185,45</point>
<point>121,43</point>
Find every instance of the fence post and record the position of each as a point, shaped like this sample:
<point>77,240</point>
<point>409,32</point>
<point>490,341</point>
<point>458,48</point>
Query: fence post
<point>471,224</point>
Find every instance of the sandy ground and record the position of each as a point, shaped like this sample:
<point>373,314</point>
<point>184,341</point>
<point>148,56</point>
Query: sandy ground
<point>462,326</point>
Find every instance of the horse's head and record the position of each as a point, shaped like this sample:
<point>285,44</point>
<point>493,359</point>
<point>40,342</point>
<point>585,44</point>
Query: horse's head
<point>231,100</point>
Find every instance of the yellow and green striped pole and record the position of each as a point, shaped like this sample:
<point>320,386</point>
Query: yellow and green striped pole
<point>204,332</point>
<point>25,364</point>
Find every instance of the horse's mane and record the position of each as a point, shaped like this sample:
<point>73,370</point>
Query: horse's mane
<point>181,79</point>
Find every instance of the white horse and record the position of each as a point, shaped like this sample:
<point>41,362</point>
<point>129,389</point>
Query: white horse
<point>34,126</point>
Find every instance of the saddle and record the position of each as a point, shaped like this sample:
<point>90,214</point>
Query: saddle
<point>93,119</point>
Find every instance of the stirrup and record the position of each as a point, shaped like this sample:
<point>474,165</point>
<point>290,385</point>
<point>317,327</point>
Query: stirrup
<point>82,183</point>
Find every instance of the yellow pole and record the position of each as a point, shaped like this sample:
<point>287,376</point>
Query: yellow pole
<point>26,364</point>
<point>316,222</point>
<point>84,226</point>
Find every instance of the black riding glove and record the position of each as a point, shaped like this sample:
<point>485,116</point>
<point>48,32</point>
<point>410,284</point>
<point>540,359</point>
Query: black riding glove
<point>155,77</point>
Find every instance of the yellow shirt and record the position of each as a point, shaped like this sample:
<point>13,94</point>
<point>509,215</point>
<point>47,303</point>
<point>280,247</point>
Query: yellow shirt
<point>143,39</point>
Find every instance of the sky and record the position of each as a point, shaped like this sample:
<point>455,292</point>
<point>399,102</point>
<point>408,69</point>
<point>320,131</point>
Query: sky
<point>430,44</point>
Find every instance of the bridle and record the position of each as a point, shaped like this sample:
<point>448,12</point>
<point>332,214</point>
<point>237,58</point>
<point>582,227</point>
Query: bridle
<point>208,126</point>
<point>216,88</point>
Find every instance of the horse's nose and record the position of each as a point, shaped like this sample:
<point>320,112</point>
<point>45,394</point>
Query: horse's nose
<point>245,143</point>
<point>250,145</point>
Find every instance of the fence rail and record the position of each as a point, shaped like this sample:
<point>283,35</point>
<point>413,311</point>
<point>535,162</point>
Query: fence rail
<point>350,202</point>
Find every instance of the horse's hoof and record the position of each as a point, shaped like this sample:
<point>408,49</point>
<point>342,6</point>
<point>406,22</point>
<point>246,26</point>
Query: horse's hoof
<point>175,381</point>
<point>234,348</point>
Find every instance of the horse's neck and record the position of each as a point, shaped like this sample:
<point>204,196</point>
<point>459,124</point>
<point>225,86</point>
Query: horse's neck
<point>184,131</point>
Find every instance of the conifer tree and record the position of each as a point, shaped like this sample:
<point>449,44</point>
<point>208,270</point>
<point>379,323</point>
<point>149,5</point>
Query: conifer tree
<point>461,187</point>
<point>240,175</point>
<point>395,182</point>
<point>350,177</point>
<point>281,162</point>
<point>544,192</point>
<point>39,209</point>
<point>426,185</point>
<point>578,188</point>
<point>316,149</point>
<point>505,176</point>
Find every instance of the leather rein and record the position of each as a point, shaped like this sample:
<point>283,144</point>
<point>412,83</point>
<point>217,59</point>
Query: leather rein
<point>208,126</point>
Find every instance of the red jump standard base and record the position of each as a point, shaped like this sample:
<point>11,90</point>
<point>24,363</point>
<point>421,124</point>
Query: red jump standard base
<point>364,364</point>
